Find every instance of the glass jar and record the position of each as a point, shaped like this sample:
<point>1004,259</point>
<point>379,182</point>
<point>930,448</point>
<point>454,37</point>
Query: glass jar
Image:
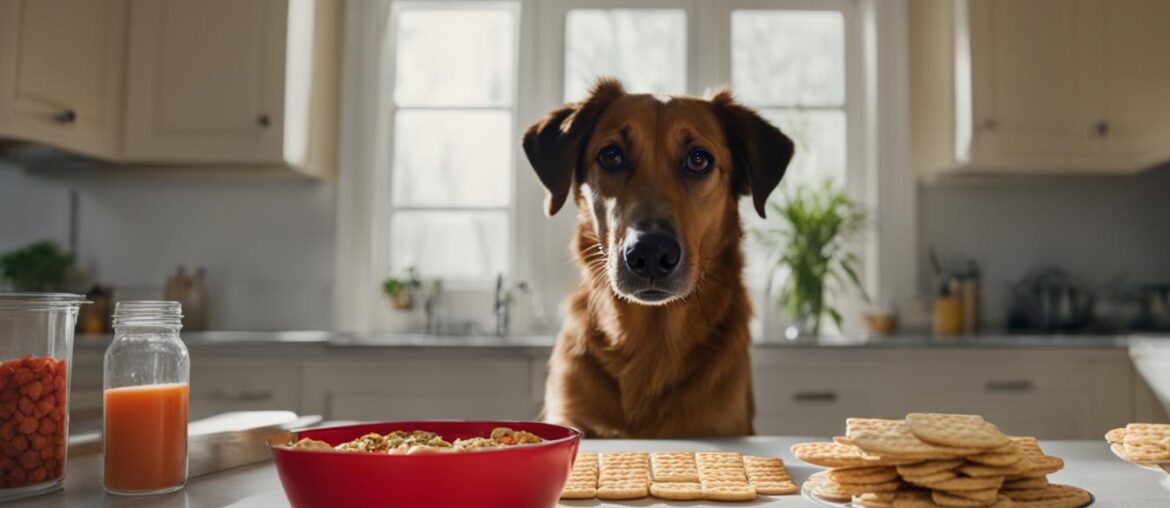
<point>36,352</point>
<point>145,400</point>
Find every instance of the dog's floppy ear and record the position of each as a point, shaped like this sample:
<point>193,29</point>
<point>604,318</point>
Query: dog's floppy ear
<point>553,144</point>
<point>760,152</point>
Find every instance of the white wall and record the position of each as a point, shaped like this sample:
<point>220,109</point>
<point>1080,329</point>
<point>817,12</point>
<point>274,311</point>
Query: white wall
<point>265,239</point>
<point>1099,229</point>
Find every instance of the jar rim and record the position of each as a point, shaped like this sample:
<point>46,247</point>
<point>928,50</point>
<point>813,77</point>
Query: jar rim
<point>148,313</point>
<point>41,301</point>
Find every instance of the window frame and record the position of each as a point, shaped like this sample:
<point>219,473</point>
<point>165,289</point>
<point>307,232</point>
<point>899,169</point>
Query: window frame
<point>389,109</point>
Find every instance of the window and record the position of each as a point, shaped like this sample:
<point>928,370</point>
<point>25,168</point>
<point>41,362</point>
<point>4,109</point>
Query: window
<point>790,66</point>
<point>436,170</point>
<point>645,48</point>
<point>453,146</point>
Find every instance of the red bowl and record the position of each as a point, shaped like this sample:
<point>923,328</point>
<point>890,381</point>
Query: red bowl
<point>528,476</point>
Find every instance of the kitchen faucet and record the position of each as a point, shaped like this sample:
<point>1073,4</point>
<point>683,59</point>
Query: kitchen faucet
<point>503,301</point>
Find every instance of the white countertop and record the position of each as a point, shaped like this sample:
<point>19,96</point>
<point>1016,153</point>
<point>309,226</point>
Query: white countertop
<point>1088,464</point>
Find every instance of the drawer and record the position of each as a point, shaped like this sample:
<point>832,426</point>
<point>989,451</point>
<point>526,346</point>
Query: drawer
<point>223,386</point>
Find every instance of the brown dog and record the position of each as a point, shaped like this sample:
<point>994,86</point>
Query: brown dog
<point>656,340</point>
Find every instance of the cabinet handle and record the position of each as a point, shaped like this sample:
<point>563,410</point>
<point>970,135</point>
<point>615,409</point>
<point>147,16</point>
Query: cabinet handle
<point>1015,386</point>
<point>65,117</point>
<point>825,397</point>
<point>263,120</point>
<point>241,395</point>
<point>1102,129</point>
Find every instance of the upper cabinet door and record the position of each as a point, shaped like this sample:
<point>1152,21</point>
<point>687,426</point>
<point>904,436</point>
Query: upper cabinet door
<point>1136,124</point>
<point>1035,83</point>
<point>206,81</point>
<point>61,73</point>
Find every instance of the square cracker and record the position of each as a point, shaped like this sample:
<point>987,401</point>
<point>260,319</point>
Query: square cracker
<point>623,475</point>
<point>767,475</point>
<point>673,467</point>
<point>1147,443</point>
<point>677,491</point>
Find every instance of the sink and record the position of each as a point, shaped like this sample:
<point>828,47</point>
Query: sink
<point>1151,357</point>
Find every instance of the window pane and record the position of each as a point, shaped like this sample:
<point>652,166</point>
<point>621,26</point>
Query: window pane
<point>450,245</point>
<point>645,48</point>
<point>788,58</point>
<point>820,141</point>
<point>455,57</point>
<point>452,158</point>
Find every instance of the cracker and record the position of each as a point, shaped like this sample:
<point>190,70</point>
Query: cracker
<point>988,496</point>
<point>956,431</point>
<point>875,499</point>
<point>677,491</point>
<point>1026,483</point>
<point>727,490</point>
<point>893,438</point>
<point>767,475</point>
<point>723,476</point>
<point>1116,436</point>
<point>965,483</point>
<point>870,475</point>
<point>824,488</point>
<point>929,467</point>
<point>829,454</point>
<point>951,500</point>
<point>582,483</point>
<point>996,459</point>
<point>980,471</point>
<point>1146,443</point>
<point>673,467</point>
<point>1052,496</point>
<point>928,479</point>
<point>623,475</point>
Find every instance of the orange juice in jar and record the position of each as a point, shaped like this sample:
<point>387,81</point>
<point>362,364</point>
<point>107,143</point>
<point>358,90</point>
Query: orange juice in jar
<point>146,401</point>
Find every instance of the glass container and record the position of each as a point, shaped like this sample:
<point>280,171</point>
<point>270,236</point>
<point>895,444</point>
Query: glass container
<point>146,400</point>
<point>36,353</point>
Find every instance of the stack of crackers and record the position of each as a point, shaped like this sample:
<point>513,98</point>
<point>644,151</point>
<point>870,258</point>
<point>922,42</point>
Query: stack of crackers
<point>1144,444</point>
<point>679,476</point>
<point>931,459</point>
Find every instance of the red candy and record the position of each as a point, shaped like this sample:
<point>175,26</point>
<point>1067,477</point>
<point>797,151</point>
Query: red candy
<point>32,414</point>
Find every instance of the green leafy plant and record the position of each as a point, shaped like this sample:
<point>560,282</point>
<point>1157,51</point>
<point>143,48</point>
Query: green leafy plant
<point>810,238</point>
<point>401,290</point>
<point>39,266</point>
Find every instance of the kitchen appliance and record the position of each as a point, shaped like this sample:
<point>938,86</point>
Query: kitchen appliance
<point>1049,301</point>
<point>36,349</point>
<point>528,476</point>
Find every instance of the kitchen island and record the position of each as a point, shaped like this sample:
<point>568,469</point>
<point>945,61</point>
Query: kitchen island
<point>1088,464</point>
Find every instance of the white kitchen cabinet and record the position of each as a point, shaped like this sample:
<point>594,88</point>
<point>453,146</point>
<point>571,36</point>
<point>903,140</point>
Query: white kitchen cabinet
<point>61,73</point>
<point>205,81</point>
<point>407,385</point>
<point>1038,87</point>
<point>220,384</point>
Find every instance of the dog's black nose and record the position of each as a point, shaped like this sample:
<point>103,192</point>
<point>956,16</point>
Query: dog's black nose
<point>652,255</point>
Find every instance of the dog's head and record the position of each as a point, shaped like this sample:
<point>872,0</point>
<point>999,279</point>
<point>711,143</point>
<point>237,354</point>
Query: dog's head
<point>660,178</point>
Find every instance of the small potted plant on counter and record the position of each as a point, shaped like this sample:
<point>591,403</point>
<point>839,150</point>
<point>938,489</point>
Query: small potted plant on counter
<point>810,241</point>
<point>37,267</point>
<point>402,291</point>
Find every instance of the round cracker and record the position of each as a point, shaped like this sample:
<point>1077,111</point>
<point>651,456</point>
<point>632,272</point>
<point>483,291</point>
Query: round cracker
<point>957,431</point>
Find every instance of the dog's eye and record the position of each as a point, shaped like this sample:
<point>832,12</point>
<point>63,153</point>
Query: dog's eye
<point>611,158</point>
<point>699,162</point>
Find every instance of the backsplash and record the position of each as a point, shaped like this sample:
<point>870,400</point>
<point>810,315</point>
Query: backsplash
<point>1099,229</point>
<point>266,241</point>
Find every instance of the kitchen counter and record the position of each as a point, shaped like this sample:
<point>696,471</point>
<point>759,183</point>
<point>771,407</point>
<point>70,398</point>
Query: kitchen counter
<point>543,342</point>
<point>1088,464</point>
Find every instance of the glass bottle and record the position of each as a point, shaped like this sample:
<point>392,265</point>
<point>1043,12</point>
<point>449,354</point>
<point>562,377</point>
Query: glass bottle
<point>145,400</point>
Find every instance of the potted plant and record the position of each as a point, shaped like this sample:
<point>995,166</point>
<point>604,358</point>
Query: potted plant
<point>37,267</point>
<point>401,291</point>
<point>810,240</point>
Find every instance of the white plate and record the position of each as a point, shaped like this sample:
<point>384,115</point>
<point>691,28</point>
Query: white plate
<point>806,491</point>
